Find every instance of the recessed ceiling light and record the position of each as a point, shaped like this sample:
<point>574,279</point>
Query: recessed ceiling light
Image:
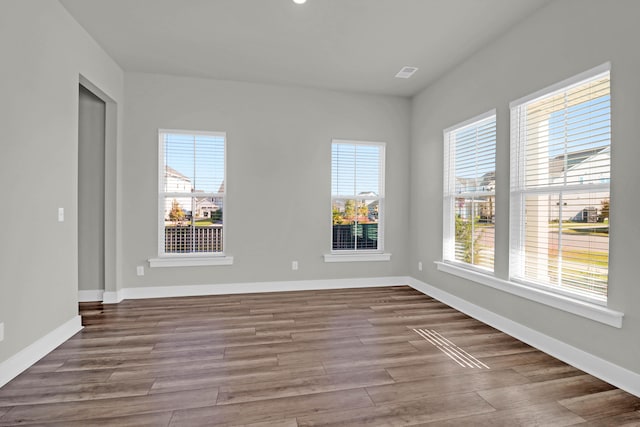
<point>299,1</point>
<point>406,72</point>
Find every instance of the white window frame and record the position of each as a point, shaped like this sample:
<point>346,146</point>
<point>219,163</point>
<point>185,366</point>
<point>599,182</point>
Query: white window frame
<point>356,255</point>
<point>191,259</point>
<point>517,193</point>
<point>587,308</point>
<point>449,195</point>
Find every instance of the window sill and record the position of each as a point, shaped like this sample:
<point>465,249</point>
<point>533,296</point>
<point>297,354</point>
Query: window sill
<point>578,307</point>
<point>192,261</point>
<point>357,257</point>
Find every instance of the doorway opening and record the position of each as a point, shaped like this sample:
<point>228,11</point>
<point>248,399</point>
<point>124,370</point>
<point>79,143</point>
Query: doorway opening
<point>91,195</point>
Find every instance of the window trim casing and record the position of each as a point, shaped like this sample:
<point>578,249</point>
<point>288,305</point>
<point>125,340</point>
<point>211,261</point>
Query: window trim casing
<point>564,84</point>
<point>569,304</point>
<point>588,309</point>
<point>195,258</point>
<point>359,255</point>
<point>448,225</point>
<point>515,207</point>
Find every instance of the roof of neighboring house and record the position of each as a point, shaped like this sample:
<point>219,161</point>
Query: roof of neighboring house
<point>169,171</point>
<point>368,193</point>
<point>557,164</point>
<point>467,182</point>
<point>204,201</point>
<point>488,181</point>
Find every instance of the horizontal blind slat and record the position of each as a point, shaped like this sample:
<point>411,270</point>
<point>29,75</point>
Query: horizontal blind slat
<point>560,188</point>
<point>469,203</point>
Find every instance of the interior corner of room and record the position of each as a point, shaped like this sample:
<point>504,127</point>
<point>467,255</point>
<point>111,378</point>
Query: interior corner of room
<point>82,164</point>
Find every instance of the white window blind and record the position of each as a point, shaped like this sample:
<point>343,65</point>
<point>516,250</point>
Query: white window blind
<point>560,174</point>
<point>192,192</point>
<point>469,192</point>
<point>357,196</point>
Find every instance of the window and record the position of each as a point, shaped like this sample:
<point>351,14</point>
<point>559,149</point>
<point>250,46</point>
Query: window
<point>357,197</point>
<point>191,194</point>
<point>560,173</point>
<point>469,192</point>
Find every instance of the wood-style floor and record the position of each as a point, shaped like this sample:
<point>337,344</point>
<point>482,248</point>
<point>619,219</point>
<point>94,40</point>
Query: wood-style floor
<point>376,356</point>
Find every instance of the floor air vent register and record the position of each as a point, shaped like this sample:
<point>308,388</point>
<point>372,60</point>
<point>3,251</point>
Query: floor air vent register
<point>454,352</point>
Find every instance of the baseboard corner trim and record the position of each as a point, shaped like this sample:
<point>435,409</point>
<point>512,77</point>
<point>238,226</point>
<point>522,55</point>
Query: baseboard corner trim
<point>618,376</point>
<point>90,296</point>
<point>25,358</point>
<point>112,297</point>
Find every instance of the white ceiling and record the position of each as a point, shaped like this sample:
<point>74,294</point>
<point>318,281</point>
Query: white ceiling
<point>354,45</point>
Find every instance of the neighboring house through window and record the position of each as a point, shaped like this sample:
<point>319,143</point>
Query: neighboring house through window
<point>560,174</point>
<point>469,192</point>
<point>191,198</point>
<point>357,200</point>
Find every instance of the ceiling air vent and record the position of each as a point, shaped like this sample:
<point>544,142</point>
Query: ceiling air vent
<point>406,72</point>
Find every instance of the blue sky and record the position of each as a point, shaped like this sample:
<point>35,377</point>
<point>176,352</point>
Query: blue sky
<point>475,150</point>
<point>579,127</point>
<point>588,126</point>
<point>355,169</point>
<point>206,172</point>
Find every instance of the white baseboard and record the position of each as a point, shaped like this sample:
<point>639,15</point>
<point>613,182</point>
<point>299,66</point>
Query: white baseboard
<point>607,371</point>
<point>600,368</point>
<point>90,296</point>
<point>247,288</point>
<point>112,297</point>
<point>13,366</point>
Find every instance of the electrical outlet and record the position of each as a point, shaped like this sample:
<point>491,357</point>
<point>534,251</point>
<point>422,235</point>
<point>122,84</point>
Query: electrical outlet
<point>60,214</point>
<point>419,265</point>
<point>2,331</point>
<point>140,270</point>
<point>294,265</point>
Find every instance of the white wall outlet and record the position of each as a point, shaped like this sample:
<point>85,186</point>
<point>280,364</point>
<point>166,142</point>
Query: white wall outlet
<point>60,214</point>
<point>140,270</point>
<point>2,331</point>
<point>419,265</point>
<point>294,265</point>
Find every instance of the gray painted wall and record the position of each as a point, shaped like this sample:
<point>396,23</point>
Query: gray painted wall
<point>278,161</point>
<point>91,162</point>
<point>559,41</point>
<point>44,51</point>
<point>278,203</point>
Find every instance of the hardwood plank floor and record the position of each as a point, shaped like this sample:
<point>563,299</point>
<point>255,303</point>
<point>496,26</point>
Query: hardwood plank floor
<point>307,358</point>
